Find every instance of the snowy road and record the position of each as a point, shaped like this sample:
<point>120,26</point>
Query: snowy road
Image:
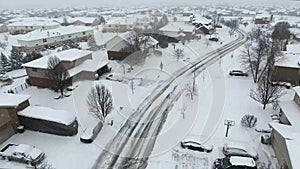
<point>134,142</point>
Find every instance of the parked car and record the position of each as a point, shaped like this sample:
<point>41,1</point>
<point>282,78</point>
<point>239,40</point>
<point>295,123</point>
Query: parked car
<point>22,153</point>
<point>214,39</point>
<point>283,84</point>
<point>4,77</point>
<point>195,146</point>
<point>114,77</point>
<point>237,73</point>
<point>236,149</point>
<point>235,162</point>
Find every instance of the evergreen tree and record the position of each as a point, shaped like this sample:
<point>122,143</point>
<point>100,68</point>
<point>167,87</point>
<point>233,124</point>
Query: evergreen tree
<point>5,65</point>
<point>15,59</point>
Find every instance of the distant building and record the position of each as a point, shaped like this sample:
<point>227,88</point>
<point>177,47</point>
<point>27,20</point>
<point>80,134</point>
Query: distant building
<point>80,64</point>
<point>10,104</point>
<point>42,39</point>
<point>263,19</point>
<point>86,21</point>
<point>3,28</point>
<point>23,27</point>
<point>176,31</point>
<point>288,68</point>
<point>285,137</point>
<point>120,24</point>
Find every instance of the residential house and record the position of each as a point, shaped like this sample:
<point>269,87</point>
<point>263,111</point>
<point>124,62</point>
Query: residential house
<point>86,21</point>
<point>285,136</point>
<point>3,28</point>
<point>118,43</point>
<point>80,64</point>
<point>39,40</point>
<point>23,27</point>
<point>10,104</point>
<point>263,19</point>
<point>287,69</point>
<point>176,31</point>
<point>120,24</point>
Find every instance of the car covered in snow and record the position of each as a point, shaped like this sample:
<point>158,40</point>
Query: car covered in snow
<point>22,153</point>
<point>235,162</point>
<point>192,145</point>
<point>114,77</point>
<point>238,73</point>
<point>282,84</point>
<point>4,77</point>
<point>237,149</point>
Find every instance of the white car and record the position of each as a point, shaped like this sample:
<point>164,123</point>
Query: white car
<point>22,153</point>
<point>114,77</point>
<point>237,149</point>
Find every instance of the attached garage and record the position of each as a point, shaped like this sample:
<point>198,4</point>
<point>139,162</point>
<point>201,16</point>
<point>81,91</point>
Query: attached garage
<point>6,132</point>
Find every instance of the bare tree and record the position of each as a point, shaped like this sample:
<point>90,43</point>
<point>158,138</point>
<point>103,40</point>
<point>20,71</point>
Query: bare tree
<point>191,91</point>
<point>266,93</point>
<point>207,42</point>
<point>178,53</point>
<point>260,54</point>
<point>100,102</point>
<point>249,121</point>
<point>57,73</point>
<point>92,44</point>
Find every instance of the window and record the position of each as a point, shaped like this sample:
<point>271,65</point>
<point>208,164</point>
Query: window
<point>83,33</point>
<point>31,27</point>
<point>62,37</point>
<point>44,40</point>
<point>34,69</point>
<point>26,27</point>
<point>70,36</point>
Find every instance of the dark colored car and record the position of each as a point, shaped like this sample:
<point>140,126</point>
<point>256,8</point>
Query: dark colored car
<point>234,162</point>
<point>237,73</point>
<point>191,145</point>
<point>214,39</point>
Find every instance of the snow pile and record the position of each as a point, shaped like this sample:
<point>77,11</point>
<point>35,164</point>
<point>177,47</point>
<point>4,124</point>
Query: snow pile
<point>45,113</point>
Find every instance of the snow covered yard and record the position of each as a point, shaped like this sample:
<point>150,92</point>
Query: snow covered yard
<point>236,104</point>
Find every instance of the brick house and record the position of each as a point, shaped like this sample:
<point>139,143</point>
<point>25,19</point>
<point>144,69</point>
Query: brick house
<point>285,137</point>
<point>80,64</point>
<point>10,104</point>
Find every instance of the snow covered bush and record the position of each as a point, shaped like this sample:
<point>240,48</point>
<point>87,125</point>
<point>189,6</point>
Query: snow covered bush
<point>249,121</point>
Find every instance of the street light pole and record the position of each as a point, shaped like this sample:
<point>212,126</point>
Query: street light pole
<point>194,73</point>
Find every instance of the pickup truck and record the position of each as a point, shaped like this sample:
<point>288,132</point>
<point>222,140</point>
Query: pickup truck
<point>22,153</point>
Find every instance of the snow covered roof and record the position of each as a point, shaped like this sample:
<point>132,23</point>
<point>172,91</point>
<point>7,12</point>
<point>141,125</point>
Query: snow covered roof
<point>291,111</point>
<point>289,60</point>
<point>35,23</point>
<point>292,139</point>
<point>99,59</point>
<point>202,20</point>
<point>126,20</point>
<point>66,55</point>
<point>297,90</point>
<point>176,26</point>
<point>63,30</point>
<point>293,48</point>
<point>46,113</point>
<point>12,100</point>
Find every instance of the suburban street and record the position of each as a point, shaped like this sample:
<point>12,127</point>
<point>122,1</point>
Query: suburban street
<point>134,142</point>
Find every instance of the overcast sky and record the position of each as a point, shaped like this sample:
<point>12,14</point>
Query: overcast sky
<point>25,4</point>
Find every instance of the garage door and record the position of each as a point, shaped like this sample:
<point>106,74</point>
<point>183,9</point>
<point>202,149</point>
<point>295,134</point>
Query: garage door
<point>6,133</point>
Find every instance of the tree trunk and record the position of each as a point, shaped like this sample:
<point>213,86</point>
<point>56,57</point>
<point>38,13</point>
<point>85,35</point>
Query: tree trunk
<point>264,107</point>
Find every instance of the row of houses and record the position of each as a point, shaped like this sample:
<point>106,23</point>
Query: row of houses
<point>25,25</point>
